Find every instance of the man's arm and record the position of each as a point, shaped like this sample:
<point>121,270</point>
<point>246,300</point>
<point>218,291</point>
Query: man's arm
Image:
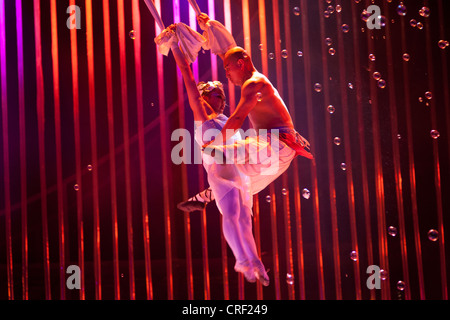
<point>246,104</point>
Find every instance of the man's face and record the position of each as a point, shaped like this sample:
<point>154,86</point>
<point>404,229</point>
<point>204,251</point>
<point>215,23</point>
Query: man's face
<point>234,70</point>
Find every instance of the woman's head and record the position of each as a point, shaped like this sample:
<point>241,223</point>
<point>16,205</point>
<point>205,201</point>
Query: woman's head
<point>214,95</point>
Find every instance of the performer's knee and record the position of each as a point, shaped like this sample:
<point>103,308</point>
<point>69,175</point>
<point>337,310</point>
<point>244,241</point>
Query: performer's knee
<point>245,217</point>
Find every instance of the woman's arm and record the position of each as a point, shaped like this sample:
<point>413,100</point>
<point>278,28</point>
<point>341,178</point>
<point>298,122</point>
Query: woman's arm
<point>198,105</point>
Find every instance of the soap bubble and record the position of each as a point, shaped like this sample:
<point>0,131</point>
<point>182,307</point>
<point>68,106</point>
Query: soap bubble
<point>401,9</point>
<point>443,44</point>
<point>343,166</point>
<point>424,12</point>
<point>428,95</point>
<point>268,199</point>
<point>413,23</point>
<point>376,75</point>
<point>392,231</point>
<point>332,51</point>
<point>382,83</point>
<point>76,187</point>
<point>331,109</point>
<point>354,255</point>
<point>365,15</point>
<point>284,54</point>
<point>284,191</point>
<point>296,11</point>
<point>350,85</point>
<point>271,56</point>
<point>433,235</point>
<point>345,28</point>
<point>419,25</point>
<point>318,87</point>
<point>89,167</point>
<point>372,57</point>
<point>261,46</point>
<point>306,193</point>
<point>258,96</point>
<point>401,285</point>
<point>328,41</point>
<point>337,141</point>
<point>300,53</point>
<point>406,56</point>
<point>435,134</point>
<point>132,34</point>
<point>383,274</point>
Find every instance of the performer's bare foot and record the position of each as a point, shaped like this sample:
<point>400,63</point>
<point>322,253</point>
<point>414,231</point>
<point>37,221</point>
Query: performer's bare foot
<point>261,273</point>
<point>246,268</point>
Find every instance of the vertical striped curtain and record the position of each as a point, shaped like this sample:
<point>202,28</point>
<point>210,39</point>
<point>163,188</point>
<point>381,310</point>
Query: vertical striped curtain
<point>88,111</point>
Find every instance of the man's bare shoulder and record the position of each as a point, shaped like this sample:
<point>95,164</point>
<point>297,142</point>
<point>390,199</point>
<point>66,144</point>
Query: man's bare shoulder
<point>256,83</point>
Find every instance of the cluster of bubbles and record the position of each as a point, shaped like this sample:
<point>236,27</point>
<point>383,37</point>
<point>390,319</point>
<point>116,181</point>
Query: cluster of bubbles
<point>433,235</point>
<point>401,10</point>
<point>305,194</point>
<point>330,9</point>
<point>76,186</point>
<point>289,278</point>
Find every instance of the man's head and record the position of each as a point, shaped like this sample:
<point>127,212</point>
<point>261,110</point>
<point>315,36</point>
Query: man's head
<point>212,92</point>
<point>238,65</point>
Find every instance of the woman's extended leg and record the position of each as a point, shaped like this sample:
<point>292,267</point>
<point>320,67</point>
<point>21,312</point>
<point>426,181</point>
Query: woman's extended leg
<point>230,207</point>
<point>248,242</point>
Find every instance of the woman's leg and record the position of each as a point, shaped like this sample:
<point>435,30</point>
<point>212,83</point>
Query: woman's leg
<point>245,224</point>
<point>230,206</point>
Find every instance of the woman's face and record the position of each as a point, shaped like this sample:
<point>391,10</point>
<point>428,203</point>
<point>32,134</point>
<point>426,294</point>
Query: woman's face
<point>216,100</point>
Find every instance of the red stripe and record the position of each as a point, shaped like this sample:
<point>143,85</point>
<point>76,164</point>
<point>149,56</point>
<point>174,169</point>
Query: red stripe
<point>315,189</point>
<point>59,175</point>
<point>165,161</point>
<point>126,143</point>
<point>141,143</point>
<point>112,159</point>
<point>330,160</point>
<point>361,129</point>
<point>92,117</point>
<point>379,180</point>
<point>396,157</point>
<point>41,136</point>
<point>348,158</point>
<point>437,170</point>
<point>6,178</point>
<point>23,166</point>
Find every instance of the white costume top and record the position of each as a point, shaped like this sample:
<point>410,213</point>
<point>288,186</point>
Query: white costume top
<point>222,177</point>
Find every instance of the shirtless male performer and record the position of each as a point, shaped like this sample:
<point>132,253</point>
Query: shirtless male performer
<point>261,102</point>
<point>229,186</point>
